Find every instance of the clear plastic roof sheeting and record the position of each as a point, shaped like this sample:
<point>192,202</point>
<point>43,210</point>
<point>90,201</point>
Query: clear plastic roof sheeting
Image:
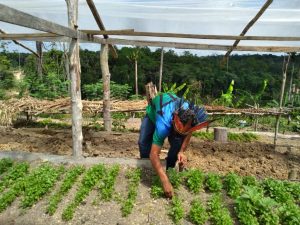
<point>215,17</point>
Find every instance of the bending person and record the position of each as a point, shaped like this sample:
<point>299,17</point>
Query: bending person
<point>175,118</point>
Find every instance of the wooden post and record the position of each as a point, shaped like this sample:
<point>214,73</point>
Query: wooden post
<point>75,80</point>
<point>281,98</point>
<point>136,75</point>
<point>151,91</point>
<point>106,87</point>
<point>220,134</point>
<point>161,68</point>
<point>39,59</point>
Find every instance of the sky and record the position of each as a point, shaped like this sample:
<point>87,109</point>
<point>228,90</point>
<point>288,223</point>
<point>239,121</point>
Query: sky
<point>219,17</point>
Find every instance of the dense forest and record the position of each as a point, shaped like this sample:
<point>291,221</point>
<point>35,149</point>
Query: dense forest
<point>205,76</point>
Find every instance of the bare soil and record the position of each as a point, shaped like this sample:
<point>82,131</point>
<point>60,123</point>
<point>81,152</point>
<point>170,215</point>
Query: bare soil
<point>258,158</point>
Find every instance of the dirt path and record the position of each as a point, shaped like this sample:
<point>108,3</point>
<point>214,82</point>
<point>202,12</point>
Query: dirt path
<point>257,158</point>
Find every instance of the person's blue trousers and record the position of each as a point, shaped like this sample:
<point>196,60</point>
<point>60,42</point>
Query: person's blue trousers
<point>145,141</point>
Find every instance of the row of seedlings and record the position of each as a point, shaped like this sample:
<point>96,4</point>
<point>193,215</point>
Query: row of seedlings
<point>17,171</point>
<point>134,177</point>
<point>70,178</point>
<point>32,187</point>
<point>89,181</point>
<point>5,164</point>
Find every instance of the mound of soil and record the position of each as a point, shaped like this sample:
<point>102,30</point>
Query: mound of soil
<point>257,158</point>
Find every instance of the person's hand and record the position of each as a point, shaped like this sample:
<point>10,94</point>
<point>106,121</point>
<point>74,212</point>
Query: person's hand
<point>168,189</point>
<point>182,159</point>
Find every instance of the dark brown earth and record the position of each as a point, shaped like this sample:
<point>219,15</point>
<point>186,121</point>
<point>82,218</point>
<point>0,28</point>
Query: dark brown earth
<point>258,158</point>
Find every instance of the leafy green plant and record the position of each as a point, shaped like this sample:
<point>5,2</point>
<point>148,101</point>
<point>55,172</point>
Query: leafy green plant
<point>38,183</point>
<point>176,211</point>
<point>226,99</point>
<point>157,190</point>
<point>106,185</point>
<point>95,91</point>
<point>5,164</point>
<point>197,214</point>
<point>194,179</point>
<point>233,184</point>
<point>33,186</point>
<point>134,177</point>
<point>90,179</point>
<point>175,177</point>
<point>293,188</point>
<point>174,89</point>
<point>289,214</point>
<point>219,214</point>
<point>253,208</point>
<point>239,137</point>
<point>70,178</point>
<point>276,190</point>
<point>250,181</point>
<point>213,182</point>
<point>17,171</point>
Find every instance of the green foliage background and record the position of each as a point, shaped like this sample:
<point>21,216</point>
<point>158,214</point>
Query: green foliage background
<point>203,75</point>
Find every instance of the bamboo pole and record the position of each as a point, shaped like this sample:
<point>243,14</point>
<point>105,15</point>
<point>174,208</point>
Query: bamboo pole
<point>281,98</point>
<point>100,24</point>
<point>161,68</point>
<point>39,59</point>
<point>106,87</point>
<point>20,44</point>
<point>249,25</point>
<point>130,32</point>
<point>75,71</point>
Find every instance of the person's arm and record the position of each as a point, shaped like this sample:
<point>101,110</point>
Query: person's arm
<point>155,160</point>
<point>182,159</point>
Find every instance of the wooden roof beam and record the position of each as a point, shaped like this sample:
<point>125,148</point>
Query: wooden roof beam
<point>249,25</point>
<point>17,17</point>
<point>191,36</point>
<point>100,24</point>
<point>20,44</point>
<point>179,45</point>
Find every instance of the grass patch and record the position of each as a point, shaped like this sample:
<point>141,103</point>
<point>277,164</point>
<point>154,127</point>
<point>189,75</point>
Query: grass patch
<point>238,137</point>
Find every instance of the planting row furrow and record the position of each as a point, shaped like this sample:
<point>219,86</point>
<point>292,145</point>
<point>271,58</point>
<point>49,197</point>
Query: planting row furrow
<point>90,179</point>
<point>70,178</point>
<point>134,177</point>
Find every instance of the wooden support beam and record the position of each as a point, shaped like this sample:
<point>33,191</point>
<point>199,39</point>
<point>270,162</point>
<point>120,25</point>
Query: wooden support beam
<point>25,36</point>
<point>100,24</point>
<point>20,44</point>
<point>13,16</point>
<point>106,87</point>
<point>180,45</point>
<point>286,64</point>
<point>190,36</point>
<point>249,25</point>
<point>75,72</point>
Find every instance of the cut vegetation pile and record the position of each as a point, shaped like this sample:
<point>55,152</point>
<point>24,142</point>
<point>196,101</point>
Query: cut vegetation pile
<point>199,197</point>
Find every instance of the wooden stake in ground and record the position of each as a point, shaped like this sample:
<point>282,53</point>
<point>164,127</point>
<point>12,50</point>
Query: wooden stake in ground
<point>220,134</point>
<point>106,87</point>
<point>39,59</point>
<point>75,71</point>
<point>281,98</point>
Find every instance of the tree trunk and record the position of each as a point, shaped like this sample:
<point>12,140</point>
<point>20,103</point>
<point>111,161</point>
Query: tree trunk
<point>220,134</point>
<point>161,68</point>
<point>281,98</point>
<point>75,81</point>
<point>39,59</point>
<point>136,77</point>
<point>67,66</point>
<point>106,86</point>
